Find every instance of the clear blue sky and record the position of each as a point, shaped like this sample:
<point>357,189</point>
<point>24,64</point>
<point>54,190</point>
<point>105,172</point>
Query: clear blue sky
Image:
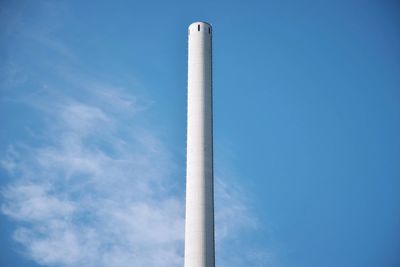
<point>307,132</point>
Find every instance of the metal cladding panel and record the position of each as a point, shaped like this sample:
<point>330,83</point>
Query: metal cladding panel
<point>199,225</point>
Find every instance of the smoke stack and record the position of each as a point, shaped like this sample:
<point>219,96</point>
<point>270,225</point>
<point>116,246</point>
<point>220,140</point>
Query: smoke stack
<point>199,224</point>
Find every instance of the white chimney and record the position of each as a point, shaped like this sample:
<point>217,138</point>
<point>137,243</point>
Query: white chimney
<point>199,224</point>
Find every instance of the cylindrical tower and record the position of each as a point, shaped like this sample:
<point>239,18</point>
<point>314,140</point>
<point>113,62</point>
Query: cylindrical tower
<point>199,227</point>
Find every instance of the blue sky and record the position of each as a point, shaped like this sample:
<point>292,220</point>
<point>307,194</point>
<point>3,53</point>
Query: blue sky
<point>306,128</point>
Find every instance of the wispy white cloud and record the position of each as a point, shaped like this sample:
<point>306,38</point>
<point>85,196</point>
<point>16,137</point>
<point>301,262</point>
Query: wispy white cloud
<point>91,196</point>
<point>237,210</point>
